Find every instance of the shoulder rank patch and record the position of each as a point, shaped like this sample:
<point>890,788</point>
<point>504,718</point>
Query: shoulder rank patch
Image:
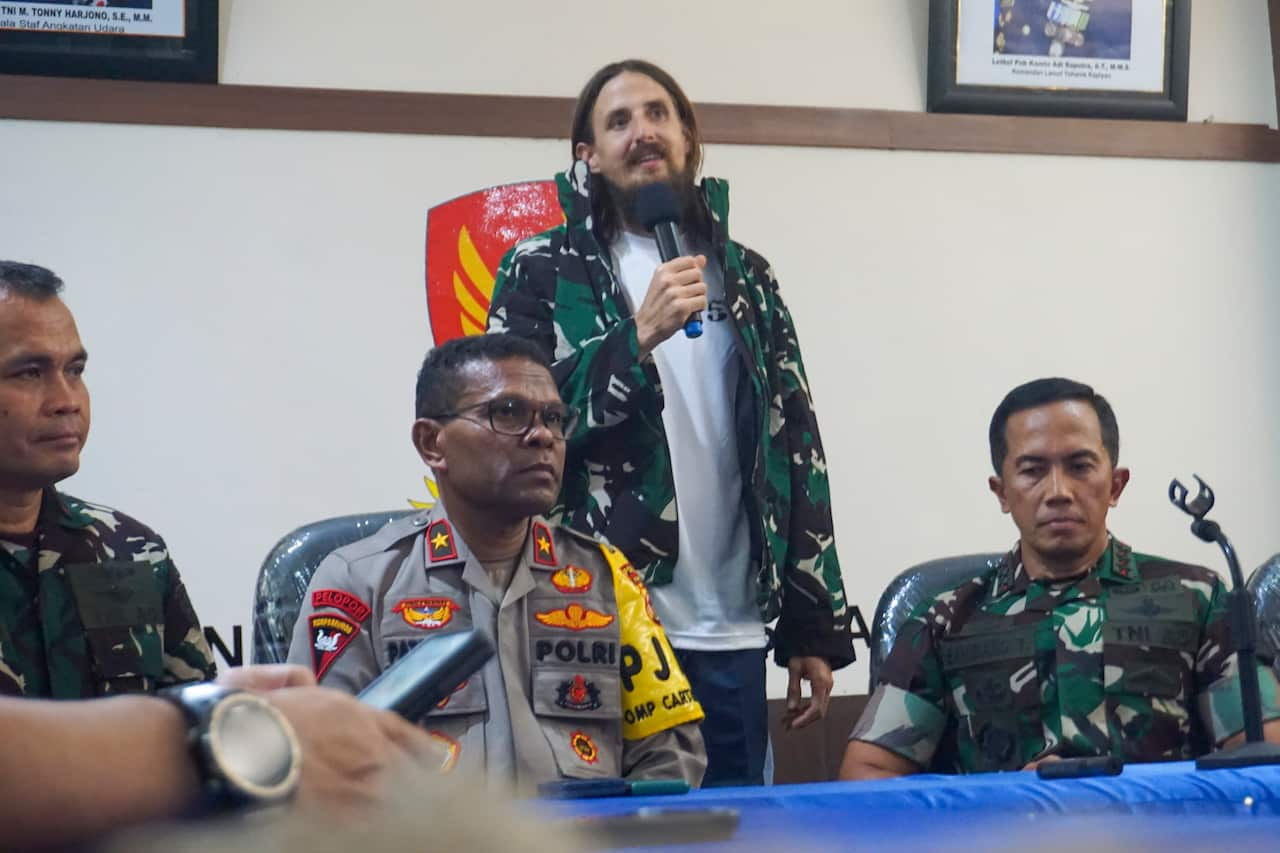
<point>544,547</point>
<point>451,749</point>
<point>578,694</point>
<point>340,599</point>
<point>329,636</point>
<point>426,614</point>
<point>575,617</point>
<point>584,747</point>
<point>440,544</point>
<point>572,579</point>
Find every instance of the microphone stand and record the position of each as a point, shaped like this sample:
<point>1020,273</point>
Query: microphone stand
<point>1244,631</point>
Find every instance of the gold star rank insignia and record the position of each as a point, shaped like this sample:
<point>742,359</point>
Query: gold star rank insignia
<point>440,542</point>
<point>544,550</point>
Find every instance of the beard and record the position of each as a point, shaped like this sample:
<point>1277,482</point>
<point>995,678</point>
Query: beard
<point>622,200</point>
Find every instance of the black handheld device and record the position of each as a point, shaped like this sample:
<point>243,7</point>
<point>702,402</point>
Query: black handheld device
<point>649,827</point>
<point>429,672</point>
<point>1076,768</point>
<point>583,789</point>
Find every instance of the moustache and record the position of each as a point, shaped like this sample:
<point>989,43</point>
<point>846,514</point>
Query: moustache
<point>645,149</point>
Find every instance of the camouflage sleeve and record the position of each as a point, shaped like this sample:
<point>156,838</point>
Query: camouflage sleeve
<point>187,656</point>
<point>602,377</point>
<point>815,614</point>
<point>676,753</point>
<point>330,641</point>
<point>906,713</point>
<point>1218,674</point>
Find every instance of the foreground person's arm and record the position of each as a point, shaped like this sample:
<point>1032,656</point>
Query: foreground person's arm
<point>74,770</point>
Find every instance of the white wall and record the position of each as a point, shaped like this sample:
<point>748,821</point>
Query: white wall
<point>254,304</point>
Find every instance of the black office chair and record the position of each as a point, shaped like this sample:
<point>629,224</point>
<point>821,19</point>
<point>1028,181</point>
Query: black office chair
<point>912,587</point>
<point>1264,589</point>
<point>285,574</point>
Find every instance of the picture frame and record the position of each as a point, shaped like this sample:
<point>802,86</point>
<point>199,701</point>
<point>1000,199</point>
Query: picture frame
<point>169,40</point>
<point>1117,59</point>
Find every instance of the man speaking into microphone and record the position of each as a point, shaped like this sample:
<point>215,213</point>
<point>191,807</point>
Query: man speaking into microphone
<point>698,454</point>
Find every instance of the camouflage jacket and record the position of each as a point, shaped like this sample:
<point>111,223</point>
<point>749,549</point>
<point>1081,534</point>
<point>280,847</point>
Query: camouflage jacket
<point>94,607</point>
<point>1133,659</point>
<point>558,290</point>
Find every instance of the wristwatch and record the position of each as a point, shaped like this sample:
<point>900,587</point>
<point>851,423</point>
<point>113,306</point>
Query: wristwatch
<point>244,749</point>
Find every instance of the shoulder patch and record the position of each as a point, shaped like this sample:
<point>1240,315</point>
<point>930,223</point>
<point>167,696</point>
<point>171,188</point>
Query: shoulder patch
<point>440,544</point>
<point>544,547</point>
<point>340,599</point>
<point>621,566</point>
<point>330,636</point>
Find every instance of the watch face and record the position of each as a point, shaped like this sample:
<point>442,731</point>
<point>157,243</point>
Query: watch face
<point>251,746</point>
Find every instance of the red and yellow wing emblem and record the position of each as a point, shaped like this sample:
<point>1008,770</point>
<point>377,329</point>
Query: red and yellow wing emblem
<point>467,237</point>
<point>575,617</point>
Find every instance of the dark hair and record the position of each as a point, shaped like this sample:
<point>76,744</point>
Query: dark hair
<point>440,382</point>
<point>1042,392</point>
<point>603,207</point>
<point>29,281</point>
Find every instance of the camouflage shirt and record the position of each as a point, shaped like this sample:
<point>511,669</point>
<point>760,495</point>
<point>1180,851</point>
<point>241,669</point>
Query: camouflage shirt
<point>1132,659</point>
<point>92,605</point>
<point>558,290</point>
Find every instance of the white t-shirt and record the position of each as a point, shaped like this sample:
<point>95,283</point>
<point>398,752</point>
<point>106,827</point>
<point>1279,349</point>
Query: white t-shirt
<point>710,605</point>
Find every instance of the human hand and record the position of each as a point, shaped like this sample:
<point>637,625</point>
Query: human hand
<point>675,291</point>
<point>268,676</point>
<point>351,751</point>
<point>800,711</point>
<point>1043,759</point>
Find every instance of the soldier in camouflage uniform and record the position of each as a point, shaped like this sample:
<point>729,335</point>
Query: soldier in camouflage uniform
<point>90,603</point>
<point>727,420</point>
<point>1070,645</point>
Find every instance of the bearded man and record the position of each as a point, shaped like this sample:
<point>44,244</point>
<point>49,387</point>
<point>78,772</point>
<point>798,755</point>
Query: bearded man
<point>699,457</point>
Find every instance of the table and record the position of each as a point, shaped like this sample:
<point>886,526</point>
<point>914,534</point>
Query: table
<point>1164,807</point>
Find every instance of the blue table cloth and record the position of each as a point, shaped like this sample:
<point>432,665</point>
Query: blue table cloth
<point>1163,807</point>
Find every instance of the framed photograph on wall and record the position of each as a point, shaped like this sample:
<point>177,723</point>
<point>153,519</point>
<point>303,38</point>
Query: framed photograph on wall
<point>175,40</point>
<point>1090,58</point>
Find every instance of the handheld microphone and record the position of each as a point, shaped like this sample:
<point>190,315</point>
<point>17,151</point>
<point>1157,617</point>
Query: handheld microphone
<point>658,209</point>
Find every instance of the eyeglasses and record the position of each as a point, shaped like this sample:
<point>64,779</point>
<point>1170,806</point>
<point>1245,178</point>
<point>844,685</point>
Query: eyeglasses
<point>514,416</point>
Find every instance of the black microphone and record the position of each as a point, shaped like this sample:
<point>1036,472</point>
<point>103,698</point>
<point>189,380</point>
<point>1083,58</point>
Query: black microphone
<point>1244,633</point>
<point>658,209</point>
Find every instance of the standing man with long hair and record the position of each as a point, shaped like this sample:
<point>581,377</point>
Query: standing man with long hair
<point>699,457</point>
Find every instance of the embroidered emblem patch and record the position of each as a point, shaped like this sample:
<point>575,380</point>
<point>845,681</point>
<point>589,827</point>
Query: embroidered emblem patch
<point>575,617</point>
<point>440,544</point>
<point>445,701</point>
<point>584,747</point>
<point>426,614</point>
<point>572,579</point>
<point>578,694</point>
<point>329,636</point>
<point>342,600</point>
<point>544,548</point>
<point>452,749</point>
<point>634,576</point>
